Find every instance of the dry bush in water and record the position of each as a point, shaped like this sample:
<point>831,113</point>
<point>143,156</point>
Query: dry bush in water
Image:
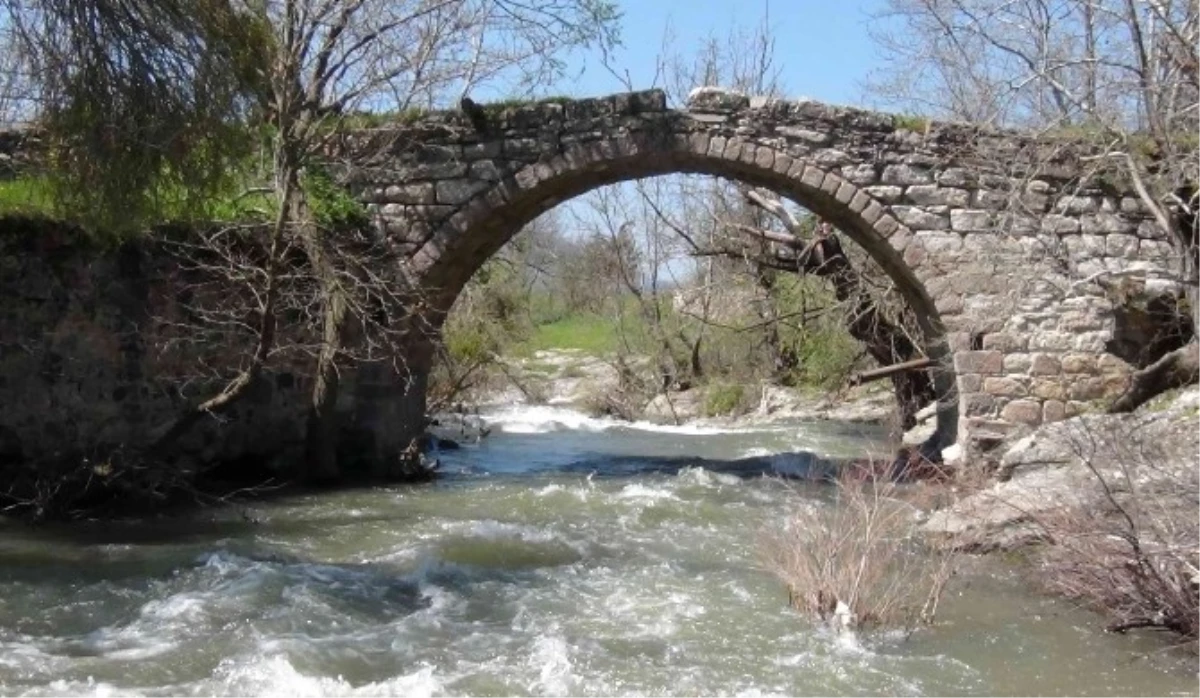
<point>859,561</point>
<point>1132,552</point>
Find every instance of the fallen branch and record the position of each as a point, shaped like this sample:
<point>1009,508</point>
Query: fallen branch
<point>1174,370</point>
<point>887,371</point>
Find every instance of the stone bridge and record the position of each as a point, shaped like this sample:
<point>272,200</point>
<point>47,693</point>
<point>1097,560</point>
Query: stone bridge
<point>991,236</point>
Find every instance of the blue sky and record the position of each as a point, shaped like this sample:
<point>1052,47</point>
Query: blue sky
<point>822,45</point>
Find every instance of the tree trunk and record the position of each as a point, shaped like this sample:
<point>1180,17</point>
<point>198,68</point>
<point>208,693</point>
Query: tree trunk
<point>885,341</point>
<point>1174,370</point>
<point>322,429</point>
<point>241,384</point>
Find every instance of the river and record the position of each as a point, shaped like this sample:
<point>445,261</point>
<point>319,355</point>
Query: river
<point>560,555</point>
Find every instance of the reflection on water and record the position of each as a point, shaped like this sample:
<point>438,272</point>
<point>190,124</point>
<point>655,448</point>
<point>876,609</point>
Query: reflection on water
<point>563,556</point>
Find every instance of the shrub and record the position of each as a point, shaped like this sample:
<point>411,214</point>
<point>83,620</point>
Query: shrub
<point>859,562</point>
<point>724,398</point>
<point>1133,551</point>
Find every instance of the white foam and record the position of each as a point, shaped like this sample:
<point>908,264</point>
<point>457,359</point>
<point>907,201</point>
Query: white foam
<point>541,419</point>
<point>640,491</point>
<point>707,478</point>
<point>274,675</point>
<point>497,530</point>
<point>758,452</point>
<point>91,687</point>
<point>551,658</point>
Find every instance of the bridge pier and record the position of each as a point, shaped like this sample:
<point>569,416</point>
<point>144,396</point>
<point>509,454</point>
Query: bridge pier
<point>388,414</point>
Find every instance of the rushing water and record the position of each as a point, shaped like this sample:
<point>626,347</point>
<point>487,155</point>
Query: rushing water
<point>561,555</point>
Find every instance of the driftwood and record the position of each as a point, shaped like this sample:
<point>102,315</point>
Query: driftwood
<point>888,371</point>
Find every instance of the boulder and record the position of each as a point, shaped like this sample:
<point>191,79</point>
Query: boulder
<point>1077,462</point>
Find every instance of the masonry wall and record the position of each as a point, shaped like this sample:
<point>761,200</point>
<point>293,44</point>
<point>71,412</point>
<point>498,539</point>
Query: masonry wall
<point>1003,234</point>
<point>96,358</point>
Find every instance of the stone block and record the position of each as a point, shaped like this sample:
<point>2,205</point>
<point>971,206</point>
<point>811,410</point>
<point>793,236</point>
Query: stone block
<point>832,184</point>
<point>1076,205</point>
<point>733,149</point>
<point>1051,341</point>
<point>872,212</point>
<point>1045,365</point>
<point>906,175</point>
<point>765,158</point>
<point>1059,224</point>
<point>1004,341</point>
<point>801,134</point>
<point>749,153</point>
<point>1022,412</point>
<point>1017,363</point>
<point>982,362</point>
<point>861,175</point>
<point>1073,364</point>
<point>1005,386</point>
<point>886,193</point>
<point>969,220</point>
<point>831,157</point>
<point>982,427</point>
<point>1048,389</point>
<point>485,170</point>
<point>1086,388</point>
<point>935,195</point>
<point>1106,223</point>
<point>1115,384</point>
<point>716,146</point>
<point>716,99</point>
<point>939,244</point>
<point>813,177</point>
<point>1122,245</point>
<point>438,170</point>
<point>969,383</point>
<point>1054,411</point>
<point>886,225</point>
<point>919,219</point>
<point>990,200</point>
<point>1131,204</point>
<point>483,151</point>
<point>977,405</point>
<point>422,193</point>
<point>956,177</point>
<point>783,163</point>
<point>1093,342</point>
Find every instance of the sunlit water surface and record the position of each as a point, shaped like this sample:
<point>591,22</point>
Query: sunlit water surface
<point>562,555</point>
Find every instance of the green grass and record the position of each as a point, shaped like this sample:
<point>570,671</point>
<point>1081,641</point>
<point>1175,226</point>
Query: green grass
<point>910,122</point>
<point>593,334</point>
<point>331,205</point>
<point>31,196</point>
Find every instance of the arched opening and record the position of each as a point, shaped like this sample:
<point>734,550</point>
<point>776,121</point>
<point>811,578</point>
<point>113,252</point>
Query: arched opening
<point>459,247</point>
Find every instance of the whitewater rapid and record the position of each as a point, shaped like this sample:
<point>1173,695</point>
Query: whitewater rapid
<point>576,557</point>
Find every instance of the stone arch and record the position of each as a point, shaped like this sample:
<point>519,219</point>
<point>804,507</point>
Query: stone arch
<point>484,223</point>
